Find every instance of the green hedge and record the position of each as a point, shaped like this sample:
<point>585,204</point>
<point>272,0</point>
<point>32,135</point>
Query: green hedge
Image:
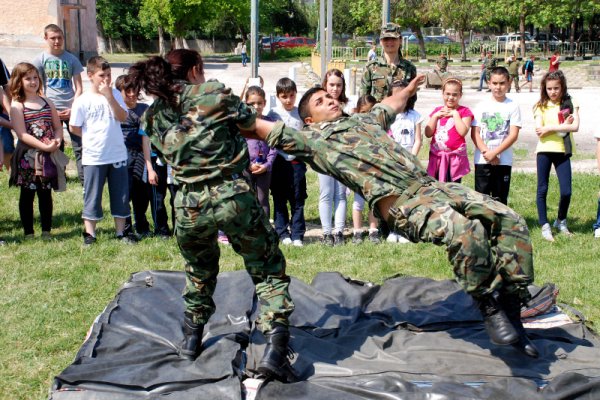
<point>286,54</point>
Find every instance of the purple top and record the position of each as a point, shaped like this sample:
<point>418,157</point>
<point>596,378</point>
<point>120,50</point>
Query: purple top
<point>260,147</point>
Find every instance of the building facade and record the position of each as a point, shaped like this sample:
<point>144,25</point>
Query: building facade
<point>22,27</point>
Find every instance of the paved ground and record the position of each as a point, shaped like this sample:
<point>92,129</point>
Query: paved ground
<point>234,76</point>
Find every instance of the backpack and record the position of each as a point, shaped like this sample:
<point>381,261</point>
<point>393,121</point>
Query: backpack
<point>523,68</point>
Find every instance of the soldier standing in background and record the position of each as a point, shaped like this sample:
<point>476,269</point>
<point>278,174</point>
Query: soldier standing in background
<point>192,127</point>
<point>490,63</point>
<point>487,242</point>
<point>442,63</point>
<point>381,72</point>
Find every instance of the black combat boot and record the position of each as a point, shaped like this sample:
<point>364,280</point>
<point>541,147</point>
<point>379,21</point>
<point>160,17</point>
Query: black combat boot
<point>496,322</point>
<point>274,363</point>
<point>512,306</point>
<point>192,338</point>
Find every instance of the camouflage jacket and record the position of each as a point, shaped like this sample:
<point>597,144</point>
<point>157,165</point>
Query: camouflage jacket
<point>490,63</point>
<point>442,64</point>
<point>378,76</point>
<point>356,151</point>
<point>199,137</point>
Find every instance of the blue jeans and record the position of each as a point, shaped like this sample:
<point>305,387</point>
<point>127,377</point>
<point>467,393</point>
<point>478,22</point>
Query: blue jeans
<point>597,224</point>
<point>482,78</point>
<point>562,165</point>
<point>288,185</point>
<point>244,59</point>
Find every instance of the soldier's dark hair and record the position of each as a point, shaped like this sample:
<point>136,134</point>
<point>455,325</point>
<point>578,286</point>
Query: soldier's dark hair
<point>364,101</point>
<point>256,90</point>
<point>155,77</point>
<point>303,109</point>
<point>339,74</point>
<point>182,61</point>
<point>410,102</point>
<point>500,71</point>
<point>285,86</point>
<point>96,63</point>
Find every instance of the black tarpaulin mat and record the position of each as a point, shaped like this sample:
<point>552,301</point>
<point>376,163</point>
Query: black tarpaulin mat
<point>410,338</point>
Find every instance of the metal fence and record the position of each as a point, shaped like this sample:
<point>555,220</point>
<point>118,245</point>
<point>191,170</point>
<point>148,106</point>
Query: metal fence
<point>474,50</point>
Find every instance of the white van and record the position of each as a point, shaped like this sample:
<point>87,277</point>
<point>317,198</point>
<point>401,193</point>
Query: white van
<point>512,42</point>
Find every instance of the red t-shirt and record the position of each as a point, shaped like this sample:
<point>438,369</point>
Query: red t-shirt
<point>446,137</point>
<point>552,66</point>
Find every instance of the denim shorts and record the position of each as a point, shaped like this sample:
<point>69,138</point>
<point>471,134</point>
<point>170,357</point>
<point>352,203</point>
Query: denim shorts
<point>8,140</point>
<point>118,190</point>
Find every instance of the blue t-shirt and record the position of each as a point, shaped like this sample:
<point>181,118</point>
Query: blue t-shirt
<point>131,127</point>
<point>57,75</point>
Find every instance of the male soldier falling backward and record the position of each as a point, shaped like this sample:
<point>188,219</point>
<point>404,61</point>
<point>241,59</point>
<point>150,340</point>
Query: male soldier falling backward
<point>192,127</point>
<point>487,242</point>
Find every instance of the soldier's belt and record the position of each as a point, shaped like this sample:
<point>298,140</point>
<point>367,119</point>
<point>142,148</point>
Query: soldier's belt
<point>196,186</point>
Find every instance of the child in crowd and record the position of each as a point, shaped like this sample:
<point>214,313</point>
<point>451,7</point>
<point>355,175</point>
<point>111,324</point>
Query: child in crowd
<point>528,71</point>
<point>138,189</point>
<point>596,226</point>
<point>61,75</point>
<point>495,129</point>
<point>96,116</point>
<point>447,127</point>
<point>288,178</point>
<point>556,118</point>
<point>406,131</point>
<point>332,194</point>
<point>7,141</point>
<point>38,127</point>
<point>261,156</point>
<point>363,105</point>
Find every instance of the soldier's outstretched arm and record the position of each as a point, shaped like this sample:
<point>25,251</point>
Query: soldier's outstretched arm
<point>400,95</point>
<point>259,130</point>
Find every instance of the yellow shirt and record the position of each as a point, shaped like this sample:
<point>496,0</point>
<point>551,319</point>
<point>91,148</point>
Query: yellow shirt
<point>553,142</point>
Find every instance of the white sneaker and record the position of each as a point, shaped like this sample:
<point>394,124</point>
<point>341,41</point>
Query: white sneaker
<point>287,241</point>
<point>403,240</point>
<point>562,227</point>
<point>597,233</point>
<point>298,243</point>
<point>392,238</point>
<point>547,232</point>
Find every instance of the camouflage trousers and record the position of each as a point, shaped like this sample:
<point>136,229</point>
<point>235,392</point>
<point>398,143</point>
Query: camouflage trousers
<point>487,243</point>
<point>204,209</point>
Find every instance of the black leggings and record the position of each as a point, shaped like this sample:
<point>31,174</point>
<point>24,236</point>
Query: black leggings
<point>26,208</point>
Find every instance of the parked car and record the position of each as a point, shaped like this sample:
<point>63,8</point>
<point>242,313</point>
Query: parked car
<point>441,39</point>
<point>266,42</point>
<point>512,42</point>
<point>413,39</point>
<point>299,41</point>
<point>548,40</point>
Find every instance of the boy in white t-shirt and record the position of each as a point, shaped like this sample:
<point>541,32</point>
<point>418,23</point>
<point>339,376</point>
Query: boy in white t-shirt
<point>495,128</point>
<point>96,116</point>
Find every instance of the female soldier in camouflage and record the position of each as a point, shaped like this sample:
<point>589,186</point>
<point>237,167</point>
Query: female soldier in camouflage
<point>193,128</point>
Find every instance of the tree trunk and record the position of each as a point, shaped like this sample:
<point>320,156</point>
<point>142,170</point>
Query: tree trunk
<point>110,45</point>
<point>522,32</point>
<point>421,42</point>
<point>463,48</point>
<point>101,37</point>
<point>572,36</point>
<point>161,42</point>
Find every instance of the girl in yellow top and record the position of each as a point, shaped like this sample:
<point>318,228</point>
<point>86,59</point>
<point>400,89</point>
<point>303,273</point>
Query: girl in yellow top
<point>556,118</point>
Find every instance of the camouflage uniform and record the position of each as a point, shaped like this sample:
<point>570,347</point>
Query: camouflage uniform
<point>378,76</point>
<point>487,242</point>
<point>202,144</point>
<point>490,64</point>
<point>442,64</point>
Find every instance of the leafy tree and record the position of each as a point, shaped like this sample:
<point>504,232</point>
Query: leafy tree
<point>461,16</point>
<point>413,14</point>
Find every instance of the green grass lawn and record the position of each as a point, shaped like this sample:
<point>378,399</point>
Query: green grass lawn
<point>52,291</point>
